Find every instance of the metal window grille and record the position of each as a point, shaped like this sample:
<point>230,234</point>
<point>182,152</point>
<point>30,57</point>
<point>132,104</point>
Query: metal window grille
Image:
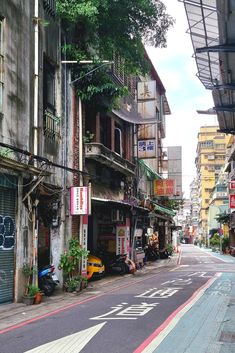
<point>51,126</point>
<point>50,7</point>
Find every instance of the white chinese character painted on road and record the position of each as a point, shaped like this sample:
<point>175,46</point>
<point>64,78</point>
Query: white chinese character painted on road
<point>159,293</point>
<point>178,282</point>
<point>199,274</point>
<point>130,313</point>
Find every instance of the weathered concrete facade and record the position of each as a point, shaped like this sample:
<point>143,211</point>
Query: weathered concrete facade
<point>31,127</point>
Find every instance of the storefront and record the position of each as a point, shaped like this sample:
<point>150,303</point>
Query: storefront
<point>109,227</point>
<point>8,198</point>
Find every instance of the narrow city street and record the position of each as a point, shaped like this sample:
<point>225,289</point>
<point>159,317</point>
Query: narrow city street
<point>167,308</point>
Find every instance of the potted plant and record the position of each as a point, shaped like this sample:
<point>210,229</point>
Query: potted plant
<point>73,284</point>
<point>29,296</point>
<point>70,264</point>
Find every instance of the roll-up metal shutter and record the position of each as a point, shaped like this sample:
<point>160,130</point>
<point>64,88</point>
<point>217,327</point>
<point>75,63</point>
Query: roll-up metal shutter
<point>7,237</point>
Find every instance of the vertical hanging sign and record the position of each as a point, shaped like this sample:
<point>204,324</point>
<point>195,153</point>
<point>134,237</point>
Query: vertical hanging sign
<point>120,239</point>
<point>84,244</point>
<point>79,200</point>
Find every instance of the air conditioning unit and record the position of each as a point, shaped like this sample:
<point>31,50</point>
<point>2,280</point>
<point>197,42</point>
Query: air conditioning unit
<point>117,216</point>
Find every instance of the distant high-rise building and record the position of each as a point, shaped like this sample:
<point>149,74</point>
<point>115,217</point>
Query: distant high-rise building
<point>211,152</point>
<point>194,201</point>
<point>174,154</point>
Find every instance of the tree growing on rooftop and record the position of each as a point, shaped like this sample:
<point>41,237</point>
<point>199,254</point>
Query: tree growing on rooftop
<point>102,27</point>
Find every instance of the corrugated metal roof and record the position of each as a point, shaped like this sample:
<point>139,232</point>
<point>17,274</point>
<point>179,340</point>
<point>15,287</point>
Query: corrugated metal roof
<point>212,31</point>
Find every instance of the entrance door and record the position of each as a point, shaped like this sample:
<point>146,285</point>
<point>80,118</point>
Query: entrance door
<point>7,242</point>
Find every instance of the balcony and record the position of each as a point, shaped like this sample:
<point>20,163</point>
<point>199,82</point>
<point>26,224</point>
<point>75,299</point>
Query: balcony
<point>104,155</point>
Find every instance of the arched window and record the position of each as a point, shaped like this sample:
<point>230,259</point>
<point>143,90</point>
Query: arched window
<point>118,141</point>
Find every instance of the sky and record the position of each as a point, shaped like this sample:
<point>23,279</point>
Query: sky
<point>184,91</point>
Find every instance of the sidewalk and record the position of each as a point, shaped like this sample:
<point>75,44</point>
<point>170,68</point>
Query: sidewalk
<point>16,313</point>
<point>224,257</point>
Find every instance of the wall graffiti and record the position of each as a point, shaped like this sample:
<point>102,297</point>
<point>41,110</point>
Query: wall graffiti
<point>7,232</point>
<point>3,277</point>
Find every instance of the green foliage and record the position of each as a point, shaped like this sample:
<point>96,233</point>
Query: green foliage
<point>169,249</point>
<point>28,270</point>
<point>72,284</point>
<point>122,26</point>
<point>99,90</point>
<point>225,243</point>
<point>215,240</point>
<point>223,218</point>
<point>172,204</point>
<point>70,260</point>
<point>32,290</point>
<point>88,137</point>
<point>5,152</point>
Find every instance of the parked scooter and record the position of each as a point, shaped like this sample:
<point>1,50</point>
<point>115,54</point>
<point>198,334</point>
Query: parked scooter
<point>122,265</point>
<point>151,253</point>
<point>47,279</point>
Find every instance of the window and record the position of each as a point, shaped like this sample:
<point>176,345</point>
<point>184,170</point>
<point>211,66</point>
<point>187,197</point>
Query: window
<point>1,66</point>
<point>118,141</point>
<point>211,157</point>
<point>220,146</point>
<point>105,131</point>
<point>207,144</point>
<point>49,87</point>
<point>220,156</point>
<point>218,166</point>
<point>51,121</point>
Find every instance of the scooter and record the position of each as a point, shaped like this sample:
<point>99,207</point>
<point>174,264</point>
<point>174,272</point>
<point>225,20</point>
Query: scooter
<point>122,265</point>
<point>47,280</point>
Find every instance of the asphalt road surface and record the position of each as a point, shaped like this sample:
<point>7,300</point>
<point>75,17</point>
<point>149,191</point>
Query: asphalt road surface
<point>135,317</point>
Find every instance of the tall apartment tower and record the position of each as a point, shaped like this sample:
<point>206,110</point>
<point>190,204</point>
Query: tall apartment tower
<point>174,154</point>
<point>211,151</point>
<point>194,199</point>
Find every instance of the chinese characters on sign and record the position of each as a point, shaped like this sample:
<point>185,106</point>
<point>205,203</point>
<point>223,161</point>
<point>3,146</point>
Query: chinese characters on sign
<point>84,244</point>
<point>122,240</point>
<point>79,200</point>
<point>232,201</point>
<point>147,148</point>
<point>164,187</point>
<point>146,98</point>
<point>232,185</point>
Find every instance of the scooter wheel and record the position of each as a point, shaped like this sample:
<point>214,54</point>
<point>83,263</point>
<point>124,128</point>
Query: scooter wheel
<point>48,289</point>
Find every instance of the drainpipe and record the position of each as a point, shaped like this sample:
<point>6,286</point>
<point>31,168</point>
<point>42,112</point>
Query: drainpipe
<point>35,142</point>
<point>35,113</point>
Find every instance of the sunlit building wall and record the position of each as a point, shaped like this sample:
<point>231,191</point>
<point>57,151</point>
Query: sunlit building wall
<point>211,151</point>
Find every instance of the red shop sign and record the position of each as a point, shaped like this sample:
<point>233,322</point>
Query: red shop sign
<point>232,201</point>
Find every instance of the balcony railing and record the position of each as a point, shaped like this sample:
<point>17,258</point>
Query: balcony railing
<point>104,155</point>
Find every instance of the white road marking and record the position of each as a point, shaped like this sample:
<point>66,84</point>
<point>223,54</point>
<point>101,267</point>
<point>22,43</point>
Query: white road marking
<point>70,344</point>
<point>151,347</point>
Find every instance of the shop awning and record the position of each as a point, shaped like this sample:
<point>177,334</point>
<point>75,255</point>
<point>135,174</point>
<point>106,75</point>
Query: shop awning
<point>149,171</point>
<point>121,203</point>
<point>164,210</point>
